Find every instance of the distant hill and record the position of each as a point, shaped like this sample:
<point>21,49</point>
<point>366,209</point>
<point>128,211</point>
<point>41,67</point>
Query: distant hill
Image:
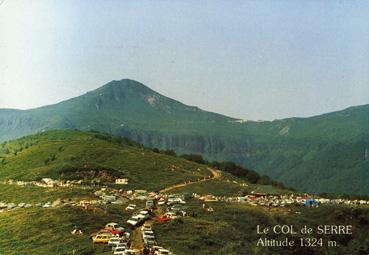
<point>327,153</point>
<point>76,155</point>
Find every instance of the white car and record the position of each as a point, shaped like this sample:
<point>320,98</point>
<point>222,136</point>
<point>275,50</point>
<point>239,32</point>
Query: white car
<point>112,225</point>
<point>144,212</point>
<point>156,247</point>
<point>114,241</point>
<point>143,217</point>
<point>47,205</point>
<point>171,215</point>
<point>132,252</point>
<point>131,207</point>
<point>120,251</point>
<point>149,240</point>
<point>134,221</point>
<point>148,233</point>
<point>146,227</point>
<point>162,252</point>
<point>120,245</point>
<point>11,206</point>
<point>162,202</point>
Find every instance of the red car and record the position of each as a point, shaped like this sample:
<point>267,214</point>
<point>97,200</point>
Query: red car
<point>163,218</point>
<point>114,229</point>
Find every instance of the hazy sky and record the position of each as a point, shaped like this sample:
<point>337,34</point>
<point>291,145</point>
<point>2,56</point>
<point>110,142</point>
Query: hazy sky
<point>247,59</point>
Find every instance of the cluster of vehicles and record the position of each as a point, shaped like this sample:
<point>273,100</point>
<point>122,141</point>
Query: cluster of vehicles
<point>116,237</point>
<point>10,206</point>
<point>172,212</point>
<point>174,199</point>
<point>139,218</point>
<point>150,243</point>
<point>148,235</point>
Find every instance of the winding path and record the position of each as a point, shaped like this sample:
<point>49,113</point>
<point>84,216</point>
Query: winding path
<point>216,175</point>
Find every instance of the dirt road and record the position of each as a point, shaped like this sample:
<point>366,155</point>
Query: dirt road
<point>216,174</point>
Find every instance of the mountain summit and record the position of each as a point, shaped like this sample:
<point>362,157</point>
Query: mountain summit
<point>114,107</point>
<point>131,96</point>
<point>327,153</point>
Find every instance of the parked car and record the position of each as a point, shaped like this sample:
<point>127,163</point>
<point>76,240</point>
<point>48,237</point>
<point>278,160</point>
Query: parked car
<point>171,215</point>
<point>120,251</point>
<point>149,240</point>
<point>150,204</point>
<point>47,205</point>
<point>114,241</point>
<point>156,248</point>
<point>144,214</point>
<point>163,218</point>
<point>148,235</point>
<point>112,225</point>
<point>12,206</point>
<point>136,220</point>
<point>132,252</point>
<point>148,232</point>
<point>146,227</point>
<point>161,202</point>
<point>114,228</point>
<point>131,207</point>
<point>101,238</point>
<point>176,207</point>
<point>120,245</point>
<point>162,252</point>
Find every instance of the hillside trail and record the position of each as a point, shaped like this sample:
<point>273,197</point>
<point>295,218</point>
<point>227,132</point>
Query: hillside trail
<point>216,174</point>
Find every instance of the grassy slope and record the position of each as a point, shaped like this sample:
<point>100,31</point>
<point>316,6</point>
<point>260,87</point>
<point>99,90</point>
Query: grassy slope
<point>47,231</point>
<point>64,150</point>
<point>231,230</point>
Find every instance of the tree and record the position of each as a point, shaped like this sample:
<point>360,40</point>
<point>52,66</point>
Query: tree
<point>195,158</point>
<point>253,177</point>
<point>170,152</point>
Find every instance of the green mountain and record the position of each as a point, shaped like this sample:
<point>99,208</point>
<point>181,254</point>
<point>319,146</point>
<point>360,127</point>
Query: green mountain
<point>327,153</point>
<point>115,107</point>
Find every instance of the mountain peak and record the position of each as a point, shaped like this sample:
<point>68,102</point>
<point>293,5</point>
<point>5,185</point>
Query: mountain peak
<point>125,90</point>
<point>117,86</point>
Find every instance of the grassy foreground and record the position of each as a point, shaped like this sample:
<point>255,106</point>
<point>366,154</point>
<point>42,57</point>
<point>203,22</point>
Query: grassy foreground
<point>231,230</point>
